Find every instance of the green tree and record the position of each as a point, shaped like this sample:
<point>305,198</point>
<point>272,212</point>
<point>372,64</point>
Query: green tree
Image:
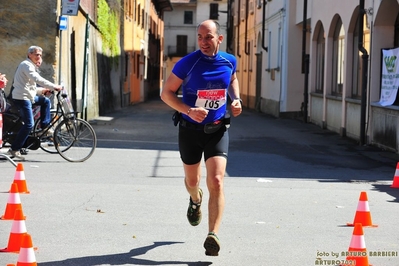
<point>108,25</point>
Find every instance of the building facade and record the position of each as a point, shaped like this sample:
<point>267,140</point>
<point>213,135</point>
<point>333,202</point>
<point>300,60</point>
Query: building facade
<point>321,61</point>
<point>181,27</point>
<point>267,43</point>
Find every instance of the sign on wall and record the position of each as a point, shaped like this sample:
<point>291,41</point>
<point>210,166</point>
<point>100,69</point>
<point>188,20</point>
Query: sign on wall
<point>63,22</point>
<point>70,7</point>
<point>389,76</point>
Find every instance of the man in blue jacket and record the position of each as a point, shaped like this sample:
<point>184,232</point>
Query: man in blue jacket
<point>207,77</point>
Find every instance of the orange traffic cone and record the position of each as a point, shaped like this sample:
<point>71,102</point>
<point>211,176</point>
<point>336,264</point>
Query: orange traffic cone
<point>357,253</point>
<point>19,179</point>
<point>18,229</point>
<point>362,215</point>
<point>395,183</point>
<point>26,254</point>
<point>13,203</point>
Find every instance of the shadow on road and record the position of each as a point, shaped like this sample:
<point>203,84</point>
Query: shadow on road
<point>393,192</point>
<point>124,258</point>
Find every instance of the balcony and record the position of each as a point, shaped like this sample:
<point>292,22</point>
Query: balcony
<point>179,51</point>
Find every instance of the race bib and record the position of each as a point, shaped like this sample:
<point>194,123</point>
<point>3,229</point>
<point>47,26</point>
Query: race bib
<point>211,99</point>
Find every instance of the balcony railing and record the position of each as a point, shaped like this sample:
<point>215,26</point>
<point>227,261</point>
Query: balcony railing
<point>180,51</point>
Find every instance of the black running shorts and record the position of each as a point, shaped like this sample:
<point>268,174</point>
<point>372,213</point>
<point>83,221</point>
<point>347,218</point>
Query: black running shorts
<point>194,142</point>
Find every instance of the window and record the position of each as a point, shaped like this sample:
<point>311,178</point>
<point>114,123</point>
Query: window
<point>357,59</point>
<point>142,18</point>
<point>128,9</point>
<point>251,6</point>
<point>320,55</point>
<point>188,17</point>
<point>126,65</point>
<point>181,45</point>
<point>250,57</point>
<point>338,59</point>
<point>133,11</point>
<point>137,65</point>
<point>138,14</point>
<point>214,11</point>
<point>270,51</point>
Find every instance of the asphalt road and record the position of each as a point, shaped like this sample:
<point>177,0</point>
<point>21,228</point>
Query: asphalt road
<point>290,188</point>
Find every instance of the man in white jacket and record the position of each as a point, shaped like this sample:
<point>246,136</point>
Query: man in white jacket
<point>26,93</point>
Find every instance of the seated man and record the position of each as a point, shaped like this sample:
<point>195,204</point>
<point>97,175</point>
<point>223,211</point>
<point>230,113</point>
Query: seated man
<point>26,93</point>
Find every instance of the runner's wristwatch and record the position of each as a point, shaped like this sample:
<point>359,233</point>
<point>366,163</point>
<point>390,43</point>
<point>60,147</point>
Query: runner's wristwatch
<point>239,100</point>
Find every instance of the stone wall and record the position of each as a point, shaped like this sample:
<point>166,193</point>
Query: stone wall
<point>24,24</point>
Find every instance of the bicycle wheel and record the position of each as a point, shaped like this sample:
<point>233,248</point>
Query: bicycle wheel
<point>75,140</point>
<point>47,142</point>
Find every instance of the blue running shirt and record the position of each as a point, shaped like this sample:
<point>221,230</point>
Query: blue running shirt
<point>205,82</point>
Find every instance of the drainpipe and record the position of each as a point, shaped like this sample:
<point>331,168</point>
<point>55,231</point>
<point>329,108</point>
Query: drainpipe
<point>247,46</point>
<point>85,69</point>
<point>305,62</point>
<point>246,28</point>
<point>365,58</point>
<point>264,25</point>
<point>229,26</point>
<point>238,29</point>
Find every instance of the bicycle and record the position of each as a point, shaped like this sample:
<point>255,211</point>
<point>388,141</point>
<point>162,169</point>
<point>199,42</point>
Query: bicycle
<point>74,139</point>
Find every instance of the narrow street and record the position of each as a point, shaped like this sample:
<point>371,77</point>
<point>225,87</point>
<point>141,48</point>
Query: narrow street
<point>291,188</point>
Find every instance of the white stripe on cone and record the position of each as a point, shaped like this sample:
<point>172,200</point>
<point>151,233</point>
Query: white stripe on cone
<point>363,206</point>
<point>397,172</point>
<point>14,198</point>
<point>26,255</point>
<point>358,242</point>
<point>18,227</point>
<point>19,175</point>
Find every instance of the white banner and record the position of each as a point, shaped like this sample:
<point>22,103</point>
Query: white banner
<point>389,76</point>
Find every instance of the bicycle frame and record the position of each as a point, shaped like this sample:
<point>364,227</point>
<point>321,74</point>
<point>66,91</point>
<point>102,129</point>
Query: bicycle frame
<point>53,120</point>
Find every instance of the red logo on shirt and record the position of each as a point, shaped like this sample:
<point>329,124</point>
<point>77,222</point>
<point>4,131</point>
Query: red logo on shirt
<point>212,94</point>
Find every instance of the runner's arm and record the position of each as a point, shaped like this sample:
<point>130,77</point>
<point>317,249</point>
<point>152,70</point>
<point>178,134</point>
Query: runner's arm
<point>234,93</point>
<point>169,96</point>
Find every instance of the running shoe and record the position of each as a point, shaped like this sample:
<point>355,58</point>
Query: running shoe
<point>212,245</point>
<point>194,214</point>
<point>15,154</point>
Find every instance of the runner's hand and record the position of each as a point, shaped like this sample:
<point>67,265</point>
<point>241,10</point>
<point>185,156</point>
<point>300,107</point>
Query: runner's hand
<point>236,108</point>
<point>198,114</point>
